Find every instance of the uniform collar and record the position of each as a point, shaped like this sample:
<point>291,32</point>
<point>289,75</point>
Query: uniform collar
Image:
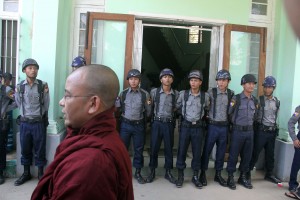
<point>161,90</point>
<point>190,93</point>
<point>26,82</point>
<point>273,98</point>
<point>219,91</point>
<point>244,96</point>
<point>130,90</point>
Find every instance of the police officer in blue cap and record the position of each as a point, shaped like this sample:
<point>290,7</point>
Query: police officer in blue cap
<point>135,105</point>
<point>266,129</point>
<point>77,62</point>
<point>242,111</point>
<point>217,132</point>
<point>163,114</point>
<point>191,104</point>
<point>32,98</point>
<point>6,97</point>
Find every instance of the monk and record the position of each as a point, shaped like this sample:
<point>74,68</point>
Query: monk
<point>92,161</point>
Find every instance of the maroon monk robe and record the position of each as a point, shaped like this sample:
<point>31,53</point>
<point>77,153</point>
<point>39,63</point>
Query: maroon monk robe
<point>91,163</point>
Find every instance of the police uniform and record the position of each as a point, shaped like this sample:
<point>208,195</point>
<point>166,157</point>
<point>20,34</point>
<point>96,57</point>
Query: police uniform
<point>6,105</point>
<point>32,127</point>
<point>265,134</point>
<point>163,123</point>
<point>242,118</point>
<point>163,126</point>
<point>133,121</point>
<point>191,131</point>
<point>293,184</point>
<point>217,133</point>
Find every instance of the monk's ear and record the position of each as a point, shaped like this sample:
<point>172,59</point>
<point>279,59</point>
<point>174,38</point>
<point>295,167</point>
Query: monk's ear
<point>94,104</point>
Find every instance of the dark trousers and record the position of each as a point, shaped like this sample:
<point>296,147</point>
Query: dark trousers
<point>3,142</point>
<point>137,133</point>
<point>241,143</point>
<point>216,134</point>
<point>194,136</point>
<point>162,131</point>
<point>264,140</point>
<point>33,135</point>
<point>293,184</point>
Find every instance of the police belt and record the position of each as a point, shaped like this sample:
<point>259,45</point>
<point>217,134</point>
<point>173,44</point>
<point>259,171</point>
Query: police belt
<point>242,128</point>
<point>163,119</point>
<point>267,128</point>
<point>196,124</point>
<point>31,120</point>
<point>132,122</point>
<point>219,123</point>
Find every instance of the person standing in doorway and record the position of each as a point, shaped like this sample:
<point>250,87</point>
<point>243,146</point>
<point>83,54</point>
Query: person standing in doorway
<point>220,97</point>
<point>191,104</point>
<point>164,101</point>
<point>135,107</point>
<point>77,62</point>
<point>266,129</point>
<point>242,111</point>
<point>32,98</point>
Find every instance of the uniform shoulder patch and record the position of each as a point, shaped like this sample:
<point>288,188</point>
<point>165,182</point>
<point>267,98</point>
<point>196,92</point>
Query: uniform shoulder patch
<point>149,101</point>
<point>46,88</point>
<point>232,102</point>
<point>295,114</point>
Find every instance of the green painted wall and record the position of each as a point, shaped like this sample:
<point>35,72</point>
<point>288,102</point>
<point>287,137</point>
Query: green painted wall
<point>285,68</point>
<point>234,11</point>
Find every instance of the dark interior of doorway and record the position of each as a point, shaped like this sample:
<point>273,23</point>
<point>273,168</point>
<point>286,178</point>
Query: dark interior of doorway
<point>165,47</point>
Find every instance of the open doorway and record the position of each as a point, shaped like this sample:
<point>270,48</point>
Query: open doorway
<point>180,48</point>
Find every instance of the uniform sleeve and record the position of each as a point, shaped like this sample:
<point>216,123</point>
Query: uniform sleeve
<point>292,122</point>
<point>17,96</point>
<point>118,101</point>
<point>148,104</point>
<point>179,102</point>
<point>46,97</point>
<point>152,96</point>
<point>207,101</point>
<point>257,110</point>
<point>232,105</point>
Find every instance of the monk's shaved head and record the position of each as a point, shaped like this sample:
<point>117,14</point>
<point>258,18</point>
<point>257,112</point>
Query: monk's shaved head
<point>99,80</point>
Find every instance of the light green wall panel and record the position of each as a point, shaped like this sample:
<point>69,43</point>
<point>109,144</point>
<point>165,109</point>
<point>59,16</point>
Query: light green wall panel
<point>26,31</point>
<point>235,11</point>
<point>285,68</point>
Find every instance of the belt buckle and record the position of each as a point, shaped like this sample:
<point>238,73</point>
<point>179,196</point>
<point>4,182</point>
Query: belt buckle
<point>194,123</point>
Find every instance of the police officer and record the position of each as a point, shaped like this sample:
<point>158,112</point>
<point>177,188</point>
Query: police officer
<point>77,62</point>
<point>7,95</point>
<point>135,108</point>
<point>266,129</point>
<point>192,104</point>
<point>242,111</point>
<point>32,98</point>
<point>164,104</point>
<point>217,127</point>
<point>7,77</point>
<point>293,184</point>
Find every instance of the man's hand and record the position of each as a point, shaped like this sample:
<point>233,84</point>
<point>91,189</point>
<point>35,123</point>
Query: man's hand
<point>296,143</point>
